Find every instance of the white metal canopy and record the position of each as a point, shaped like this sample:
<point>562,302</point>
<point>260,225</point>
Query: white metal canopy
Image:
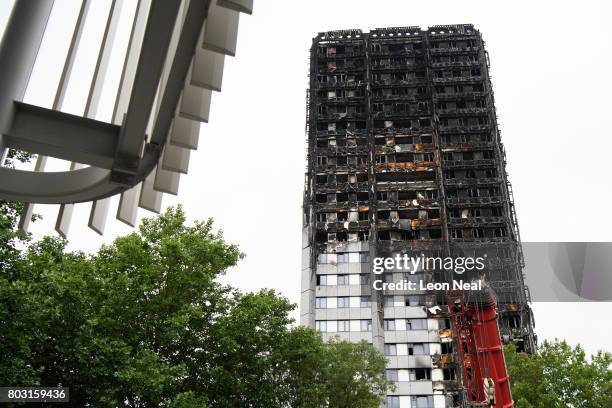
<point>174,60</point>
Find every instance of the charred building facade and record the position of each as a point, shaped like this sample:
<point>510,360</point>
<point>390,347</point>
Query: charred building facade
<point>405,157</point>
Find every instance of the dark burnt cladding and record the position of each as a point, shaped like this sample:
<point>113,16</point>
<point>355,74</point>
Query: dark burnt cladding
<point>404,152</point>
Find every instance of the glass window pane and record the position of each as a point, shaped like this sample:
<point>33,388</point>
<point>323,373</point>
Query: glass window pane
<point>392,375</point>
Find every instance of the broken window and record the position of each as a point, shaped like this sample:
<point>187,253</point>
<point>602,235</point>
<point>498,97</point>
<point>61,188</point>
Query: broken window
<point>500,232</point>
<point>435,233</point>
<point>414,300</point>
<point>446,348</point>
<point>449,374</point>
<point>382,195</point>
<point>427,157</point>
<point>362,196</point>
<point>421,374</point>
<point>456,233</point>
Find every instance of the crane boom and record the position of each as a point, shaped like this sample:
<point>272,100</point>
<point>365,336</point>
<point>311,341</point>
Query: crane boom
<point>474,319</point>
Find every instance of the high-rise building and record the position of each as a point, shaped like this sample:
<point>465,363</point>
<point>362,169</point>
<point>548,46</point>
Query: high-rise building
<point>405,157</point>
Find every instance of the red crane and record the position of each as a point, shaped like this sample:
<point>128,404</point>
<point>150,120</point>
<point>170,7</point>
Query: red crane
<point>474,319</point>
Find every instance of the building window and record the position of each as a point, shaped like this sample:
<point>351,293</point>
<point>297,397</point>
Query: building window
<point>390,349</point>
<point>366,325</point>
<point>343,301</point>
<point>449,374</point>
<point>322,280</point>
<point>343,258</point>
<point>456,233</point>
<point>364,257</point>
<point>421,349</point>
<point>365,279</point>
<point>393,402</point>
<point>321,326</point>
<point>417,324</point>
<point>343,280</point>
<point>364,301</point>
<point>422,401</point>
<point>416,300</point>
<point>392,375</point>
<point>344,326</point>
<point>421,374</point>
<point>321,303</point>
<point>389,324</point>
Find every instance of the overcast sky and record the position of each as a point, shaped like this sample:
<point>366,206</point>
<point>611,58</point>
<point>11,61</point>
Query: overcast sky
<point>550,63</point>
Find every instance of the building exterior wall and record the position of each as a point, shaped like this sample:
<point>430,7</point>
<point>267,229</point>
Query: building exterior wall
<point>405,156</point>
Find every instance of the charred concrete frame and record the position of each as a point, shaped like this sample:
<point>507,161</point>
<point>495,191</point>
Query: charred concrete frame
<point>405,156</point>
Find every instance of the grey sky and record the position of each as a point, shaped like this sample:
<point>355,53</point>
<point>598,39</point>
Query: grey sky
<point>550,69</point>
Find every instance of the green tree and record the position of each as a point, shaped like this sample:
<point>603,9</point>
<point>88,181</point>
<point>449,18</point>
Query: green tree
<point>353,372</point>
<point>144,322</point>
<point>560,376</point>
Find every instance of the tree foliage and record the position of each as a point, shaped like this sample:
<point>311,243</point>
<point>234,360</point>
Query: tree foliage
<point>144,322</point>
<point>560,376</point>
